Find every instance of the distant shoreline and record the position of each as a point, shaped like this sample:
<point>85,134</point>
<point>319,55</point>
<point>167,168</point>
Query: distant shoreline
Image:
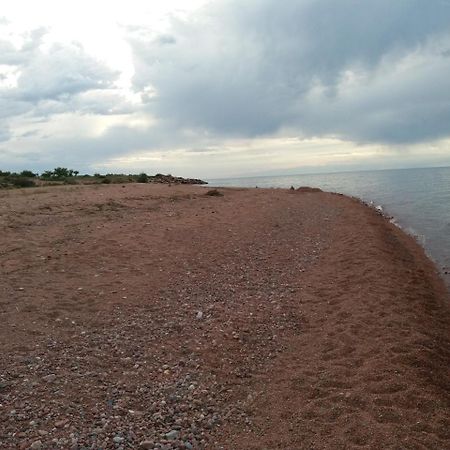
<point>62,176</point>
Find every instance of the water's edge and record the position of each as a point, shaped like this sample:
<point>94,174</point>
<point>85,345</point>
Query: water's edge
<point>441,268</point>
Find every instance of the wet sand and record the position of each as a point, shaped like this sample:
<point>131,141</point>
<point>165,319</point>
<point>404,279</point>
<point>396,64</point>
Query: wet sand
<point>150,316</point>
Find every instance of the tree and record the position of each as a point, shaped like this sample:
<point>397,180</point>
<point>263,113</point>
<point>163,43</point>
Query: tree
<point>47,174</point>
<point>27,173</point>
<point>59,173</point>
<point>62,172</point>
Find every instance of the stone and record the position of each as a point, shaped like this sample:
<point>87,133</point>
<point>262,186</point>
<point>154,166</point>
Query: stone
<point>36,445</point>
<point>146,445</point>
<point>50,378</point>
<point>118,440</point>
<point>61,423</point>
<point>172,435</point>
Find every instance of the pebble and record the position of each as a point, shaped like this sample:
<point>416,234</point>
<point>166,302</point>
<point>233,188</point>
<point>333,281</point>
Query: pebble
<point>146,445</point>
<point>200,315</point>
<point>61,423</point>
<point>36,445</point>
<point>172,435</point>
<point>49,378</point>
<point>118,440</point>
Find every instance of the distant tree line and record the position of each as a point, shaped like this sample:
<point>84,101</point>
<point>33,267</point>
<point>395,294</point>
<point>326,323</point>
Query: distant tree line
<point>63,175</point>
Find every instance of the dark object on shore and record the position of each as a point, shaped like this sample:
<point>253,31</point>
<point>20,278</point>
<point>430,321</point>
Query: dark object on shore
<point>142,178</point>
<point>308,189</point>
<point>292,188</point>
<point>168,179</point>
<point>214,193</point>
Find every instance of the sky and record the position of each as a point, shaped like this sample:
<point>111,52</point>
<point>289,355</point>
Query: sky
<point>224,88</point>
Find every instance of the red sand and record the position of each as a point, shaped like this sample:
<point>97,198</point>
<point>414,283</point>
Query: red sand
<point>262,319</point>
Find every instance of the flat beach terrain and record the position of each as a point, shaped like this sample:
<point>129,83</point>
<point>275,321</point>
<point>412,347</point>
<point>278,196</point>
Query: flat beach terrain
<point>155,316</point>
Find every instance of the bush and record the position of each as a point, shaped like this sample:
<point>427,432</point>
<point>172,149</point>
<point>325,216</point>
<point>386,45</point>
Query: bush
<point>27,174</point>
<point>22,182</point>
<point>142,178</point>
<point>48,174</point>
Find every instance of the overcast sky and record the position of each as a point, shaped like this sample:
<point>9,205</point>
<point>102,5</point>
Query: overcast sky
<point>224,87</point>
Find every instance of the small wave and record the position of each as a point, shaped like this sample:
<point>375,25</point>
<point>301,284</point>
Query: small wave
<point>394,222</point>
<point>419,237</point>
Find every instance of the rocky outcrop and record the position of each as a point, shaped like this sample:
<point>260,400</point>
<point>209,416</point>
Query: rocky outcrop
<point>170,179</point>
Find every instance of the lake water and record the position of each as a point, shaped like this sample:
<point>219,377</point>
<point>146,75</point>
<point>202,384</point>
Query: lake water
<point>418,199</point>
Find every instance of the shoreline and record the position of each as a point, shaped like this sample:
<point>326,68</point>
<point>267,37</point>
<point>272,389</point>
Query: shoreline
<point>150,316</point>
<point>421,212</point>
<point>409,231</point>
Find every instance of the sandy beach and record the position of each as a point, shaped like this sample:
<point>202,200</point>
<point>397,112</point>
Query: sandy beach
<point>158,317</point>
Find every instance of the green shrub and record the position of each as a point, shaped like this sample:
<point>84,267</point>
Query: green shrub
<point>22,182</point>
<point>142,178</point>
<point>27,174</point>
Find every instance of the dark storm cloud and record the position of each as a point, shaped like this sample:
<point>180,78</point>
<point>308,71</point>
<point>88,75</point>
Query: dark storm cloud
<point>372,71</point>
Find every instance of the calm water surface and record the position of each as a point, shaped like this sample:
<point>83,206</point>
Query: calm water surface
<point>418,199</point>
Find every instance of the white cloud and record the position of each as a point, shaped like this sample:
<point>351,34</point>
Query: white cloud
<point>255,69</point>
<point>226,87</point>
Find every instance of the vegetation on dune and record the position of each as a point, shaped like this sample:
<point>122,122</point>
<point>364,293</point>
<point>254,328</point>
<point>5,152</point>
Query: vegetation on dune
<point>63,175</point>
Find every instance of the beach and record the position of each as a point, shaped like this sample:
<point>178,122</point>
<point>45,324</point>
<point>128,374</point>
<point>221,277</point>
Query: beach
<point>157,316</point>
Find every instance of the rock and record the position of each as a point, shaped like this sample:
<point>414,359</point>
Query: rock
<point>308,189</point>
<point>199,315</point>
<point>147,445</point>
<point>49,378</point>
<point>36,445</point>
<point>61,423</point>
<point>118,440</point>
<point>188,445</point>
<point>169,179</point>
<point>172,435</point>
